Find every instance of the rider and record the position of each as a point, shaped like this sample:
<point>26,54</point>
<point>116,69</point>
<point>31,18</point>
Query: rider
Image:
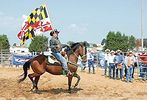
<point>56,47</point>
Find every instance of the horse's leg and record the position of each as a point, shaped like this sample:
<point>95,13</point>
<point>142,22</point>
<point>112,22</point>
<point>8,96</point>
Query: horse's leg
<point>69,82</point>
<point>36,82</point>
<point>31,76</point>
<point>78,77</point>
<point>93,69</point>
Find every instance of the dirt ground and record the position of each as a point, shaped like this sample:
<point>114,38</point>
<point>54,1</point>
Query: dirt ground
<point>91,87</point>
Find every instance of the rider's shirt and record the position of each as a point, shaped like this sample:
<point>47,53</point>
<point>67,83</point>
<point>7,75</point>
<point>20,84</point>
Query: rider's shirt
<point>53,44</point>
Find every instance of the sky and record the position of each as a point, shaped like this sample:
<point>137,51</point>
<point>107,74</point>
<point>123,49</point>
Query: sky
<point>77,20</point>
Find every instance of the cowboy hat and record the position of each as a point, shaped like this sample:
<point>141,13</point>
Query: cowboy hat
<point>130,52</point>
<point>107,50</point>
<point>112,51</point>
<point>118,51</point>
<point>54,31</point>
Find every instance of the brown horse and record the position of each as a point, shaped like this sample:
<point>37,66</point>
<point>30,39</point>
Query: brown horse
<point>40,65</point>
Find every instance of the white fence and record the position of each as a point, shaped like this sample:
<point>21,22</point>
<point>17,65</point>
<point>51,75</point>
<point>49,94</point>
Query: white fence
<point>4,57</point>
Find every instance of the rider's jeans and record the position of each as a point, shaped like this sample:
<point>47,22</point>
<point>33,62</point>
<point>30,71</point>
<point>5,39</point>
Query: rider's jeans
<point>61,59</point>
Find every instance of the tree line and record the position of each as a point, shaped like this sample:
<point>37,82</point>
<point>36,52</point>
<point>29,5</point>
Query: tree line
<point>4,42</point>
<point>113,41</point>
<point>117,40</point>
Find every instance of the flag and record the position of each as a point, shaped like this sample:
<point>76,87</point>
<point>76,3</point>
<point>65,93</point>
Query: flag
<point>23,30</point>
<point>37,15</point>
<point>38,21</point>
<point>29,34</point>
<point>43,26</point>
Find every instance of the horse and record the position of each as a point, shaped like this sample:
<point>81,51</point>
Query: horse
<point>40,65</point>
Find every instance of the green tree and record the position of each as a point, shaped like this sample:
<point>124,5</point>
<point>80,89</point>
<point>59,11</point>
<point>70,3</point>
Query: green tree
<point>131,42</point>
<point>118,41</point>
<point>115,41</point>
<point>39,43</point>
<point>124,46</point>
<point>110,41</point>
<point>4,43</point>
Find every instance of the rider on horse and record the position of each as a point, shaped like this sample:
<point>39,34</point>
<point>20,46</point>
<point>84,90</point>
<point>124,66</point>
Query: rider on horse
<point>56,47</point>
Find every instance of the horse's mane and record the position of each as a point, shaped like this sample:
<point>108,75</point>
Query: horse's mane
<point>74,46</point>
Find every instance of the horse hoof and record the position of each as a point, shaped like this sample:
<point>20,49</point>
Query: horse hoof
<point>37,91</point>
<point>69,91</point>
<point>31,90</point>
<point>75,85</point>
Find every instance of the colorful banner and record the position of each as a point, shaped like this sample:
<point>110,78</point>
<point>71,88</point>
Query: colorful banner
<point>37,22</point>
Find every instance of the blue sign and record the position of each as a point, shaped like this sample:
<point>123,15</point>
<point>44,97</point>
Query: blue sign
<point>20,59</point>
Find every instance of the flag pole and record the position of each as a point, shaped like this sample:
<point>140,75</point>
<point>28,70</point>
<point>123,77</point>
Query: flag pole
<point>50,21</point>
<point>141,25</point>
<point>49,16</point>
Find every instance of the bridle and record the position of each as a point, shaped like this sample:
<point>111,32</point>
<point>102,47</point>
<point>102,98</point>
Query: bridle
<point>82,56</point>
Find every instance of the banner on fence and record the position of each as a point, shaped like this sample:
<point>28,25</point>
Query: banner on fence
<point>20,59</point>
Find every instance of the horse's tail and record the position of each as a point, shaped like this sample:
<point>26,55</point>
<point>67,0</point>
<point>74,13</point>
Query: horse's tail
<point>26,66</point>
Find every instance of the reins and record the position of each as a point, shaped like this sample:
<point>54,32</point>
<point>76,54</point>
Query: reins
<point>76,57</point>
<point>73,63</point>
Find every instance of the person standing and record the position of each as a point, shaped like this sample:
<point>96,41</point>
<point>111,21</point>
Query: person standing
<point>111,64</point>
<point>90,61</point>
<point>107,53</point>
<point>125,64</point>
<point>119,60</point>
<point>130,64</point>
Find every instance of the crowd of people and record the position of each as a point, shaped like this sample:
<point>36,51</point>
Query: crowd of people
<point>119,65</point>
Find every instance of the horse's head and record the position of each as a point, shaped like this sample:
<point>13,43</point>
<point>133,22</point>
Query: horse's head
<point>80,49</point>
<point>83,52</point>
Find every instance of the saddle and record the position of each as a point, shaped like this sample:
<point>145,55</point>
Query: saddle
<point>52,59</point>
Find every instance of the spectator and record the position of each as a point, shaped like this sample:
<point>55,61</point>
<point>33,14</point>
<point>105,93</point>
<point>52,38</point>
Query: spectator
<point>90,61</point>
<point>101,58</point>
<point>125,64</point>
<point>130,64</point>
<point>111,64</point>
<point>107,53</point>
<point>135,64</point>
<point>119,60</point>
